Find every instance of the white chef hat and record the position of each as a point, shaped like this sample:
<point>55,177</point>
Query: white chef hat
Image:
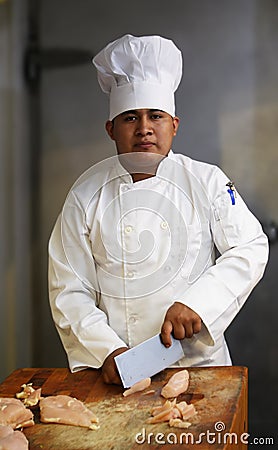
<point>139,72</point>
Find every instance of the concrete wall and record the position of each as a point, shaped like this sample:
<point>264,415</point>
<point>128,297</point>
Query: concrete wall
<point>15,248</point>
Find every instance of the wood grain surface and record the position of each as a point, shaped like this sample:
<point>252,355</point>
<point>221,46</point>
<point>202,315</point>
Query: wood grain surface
<point>218,393</point>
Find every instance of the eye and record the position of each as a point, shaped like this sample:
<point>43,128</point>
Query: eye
<point>156,116</point>
<point>130,118</point>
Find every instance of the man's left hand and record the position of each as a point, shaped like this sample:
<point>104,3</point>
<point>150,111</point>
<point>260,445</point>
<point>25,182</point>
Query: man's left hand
<point>180,321</point>
<point>110,372</point>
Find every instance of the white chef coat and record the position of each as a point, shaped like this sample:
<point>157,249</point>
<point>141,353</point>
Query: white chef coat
<point>121,253</point>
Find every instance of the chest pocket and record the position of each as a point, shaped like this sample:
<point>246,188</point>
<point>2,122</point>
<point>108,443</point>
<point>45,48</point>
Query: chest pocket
<point>233,224</point>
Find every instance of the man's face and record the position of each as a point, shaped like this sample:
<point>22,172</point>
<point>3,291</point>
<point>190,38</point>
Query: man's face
<point>143,130</point>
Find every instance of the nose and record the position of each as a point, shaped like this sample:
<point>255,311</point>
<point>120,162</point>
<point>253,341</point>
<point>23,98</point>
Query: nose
<point>144,126</point>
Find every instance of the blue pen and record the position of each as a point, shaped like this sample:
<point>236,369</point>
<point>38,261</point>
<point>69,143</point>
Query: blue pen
<point>232,191</point>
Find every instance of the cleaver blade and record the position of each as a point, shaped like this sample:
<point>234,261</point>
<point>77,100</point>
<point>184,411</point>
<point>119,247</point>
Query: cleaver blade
<point>147,359</point>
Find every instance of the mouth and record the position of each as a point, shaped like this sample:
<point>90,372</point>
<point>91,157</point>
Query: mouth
<point>145,145</point>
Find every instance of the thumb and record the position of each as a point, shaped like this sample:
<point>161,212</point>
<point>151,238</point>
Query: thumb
<point>165,334</point>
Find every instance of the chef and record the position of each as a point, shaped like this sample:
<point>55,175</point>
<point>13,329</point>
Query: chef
<point>149,241</point>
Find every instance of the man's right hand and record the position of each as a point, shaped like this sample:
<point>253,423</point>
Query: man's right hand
<point>109,369</point>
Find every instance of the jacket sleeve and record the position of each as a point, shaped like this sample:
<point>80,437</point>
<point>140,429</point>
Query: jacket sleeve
<point>220,292</point>
<point>73,292</point>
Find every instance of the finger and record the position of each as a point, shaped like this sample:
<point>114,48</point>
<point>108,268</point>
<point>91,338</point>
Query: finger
<point>111,377</point>
<point>197,327</point>
<point>179,331</point>
<point>188,328</point>
<point>117,380</point>
<point>105,378</point>
<point>165,333</point>
<point>108,375</point>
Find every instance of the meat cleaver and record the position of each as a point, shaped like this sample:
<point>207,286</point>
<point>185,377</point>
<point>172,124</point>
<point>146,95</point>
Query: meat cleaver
<point>147,359</point>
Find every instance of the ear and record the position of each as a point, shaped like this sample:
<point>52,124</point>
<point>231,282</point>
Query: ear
<point>109,126</point>
<point>176,122</point>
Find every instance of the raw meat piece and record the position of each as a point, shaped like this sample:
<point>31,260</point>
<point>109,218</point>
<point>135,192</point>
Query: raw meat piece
<point>150,392</point>
<point>178,423</point>
<point>139,386</point>
<point>186,410</point>
<point>177,384</point>
<point>68,411</point>
<point>14,413</point>
<point>12,440</point>
<point>164,413</point>
<point>172,412</point>
<point>33,399</point>
<point>29,395</point>
<point>165,407</point>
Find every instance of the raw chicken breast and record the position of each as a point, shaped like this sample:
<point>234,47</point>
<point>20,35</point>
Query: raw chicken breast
<point>179,423</point>
<point>14,413</point>
<point>164,413</point>
<point>29,395</point>
<point>139,386</point>
<point>177,384</point>
<point>68,411</point>
<point>172,412</point>
<point>12,440</point>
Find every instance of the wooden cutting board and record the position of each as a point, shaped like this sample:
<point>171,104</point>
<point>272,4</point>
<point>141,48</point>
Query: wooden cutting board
<point>218,393</point>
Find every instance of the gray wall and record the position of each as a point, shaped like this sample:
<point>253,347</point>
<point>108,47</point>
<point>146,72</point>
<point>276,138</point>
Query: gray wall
<point>15,244</point>
<point>228,105</point>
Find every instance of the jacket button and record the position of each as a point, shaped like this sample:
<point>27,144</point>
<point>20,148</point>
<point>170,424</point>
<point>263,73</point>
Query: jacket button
<point>124,188</point>
<point>164,225</point>
<point>130,274</point>
<point>128,229</point>
<point>133,319</point>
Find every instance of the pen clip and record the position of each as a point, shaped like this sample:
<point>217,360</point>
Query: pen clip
<point>232,191</point>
